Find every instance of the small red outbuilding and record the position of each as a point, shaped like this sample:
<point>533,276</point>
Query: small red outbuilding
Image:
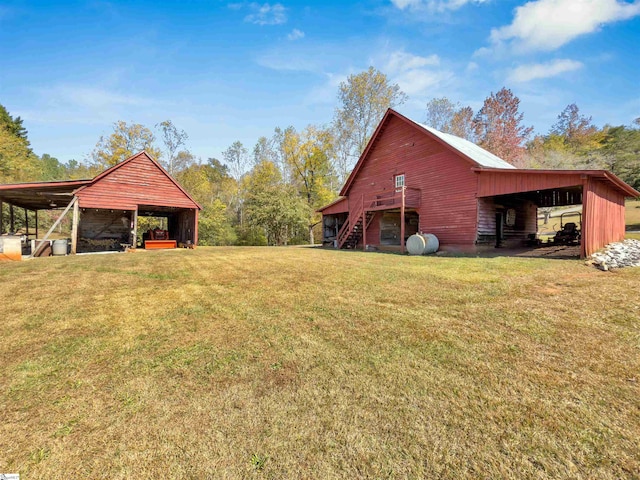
<point>442,184</point>
<point>106,208</point>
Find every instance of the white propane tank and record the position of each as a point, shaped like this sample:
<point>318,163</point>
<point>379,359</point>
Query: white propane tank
<point>422,244</point>
<point>416,244</point>
<point>431,243</point>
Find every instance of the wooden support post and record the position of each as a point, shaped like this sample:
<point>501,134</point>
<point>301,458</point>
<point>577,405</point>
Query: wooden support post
<point>585,228</point>
<point>364,227</point>
<point>1,218</point>
<point>402,222</point>
<point>134,231</point>
<point>195,228</point>
<point>74,226</point>
<point>36,224</point>
<point>26,222</point>
<point>11,219</point>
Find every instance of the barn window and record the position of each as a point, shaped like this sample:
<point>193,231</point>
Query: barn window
<point>399,181</point>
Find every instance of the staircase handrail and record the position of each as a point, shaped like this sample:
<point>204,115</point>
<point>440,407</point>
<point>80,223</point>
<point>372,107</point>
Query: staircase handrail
<point>350,223</point>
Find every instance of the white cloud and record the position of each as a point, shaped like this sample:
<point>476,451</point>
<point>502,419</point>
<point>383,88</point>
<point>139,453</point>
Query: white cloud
<point>294,61</point>
<point>326,92</point>
<point>526,73</point>
<point>401,61</point>
<point>433,5</point>
<point>472,67</point>
<point>93,97</point>
<point>418,82</point>
<point>266,14</point>
<point>414,74</point>
<point>549,24</point>
<point>295,34</point>
<point>82,104</point>
<point>402,4</point>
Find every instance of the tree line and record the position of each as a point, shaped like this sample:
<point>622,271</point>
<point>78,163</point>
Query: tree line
<point>269,194</point>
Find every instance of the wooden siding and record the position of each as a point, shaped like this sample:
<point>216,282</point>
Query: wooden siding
<point>139,182</point>
<point>603,219</point>
<point>339,206</point>
<point>486,217</point>
<point>448,186</point>
<point>187,227</point>
<point>501,183</point>
<point>526,220</point>
<point>100,230</point>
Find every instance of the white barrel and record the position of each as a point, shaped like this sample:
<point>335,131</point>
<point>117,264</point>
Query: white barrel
<point>422,244</point>
<point>416,244</point>
<point>431,243</point>
<point>60,246</point>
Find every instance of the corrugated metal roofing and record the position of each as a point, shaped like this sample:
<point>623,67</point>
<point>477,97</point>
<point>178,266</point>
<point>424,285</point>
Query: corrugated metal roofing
<point>470,149</point>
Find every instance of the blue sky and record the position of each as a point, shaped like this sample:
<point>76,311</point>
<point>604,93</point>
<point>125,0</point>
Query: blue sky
<point>226,71</point>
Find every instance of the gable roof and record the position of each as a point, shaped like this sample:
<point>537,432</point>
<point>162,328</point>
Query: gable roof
<point>43,195</point>
<point>477,156</point>
<point>143,153</point>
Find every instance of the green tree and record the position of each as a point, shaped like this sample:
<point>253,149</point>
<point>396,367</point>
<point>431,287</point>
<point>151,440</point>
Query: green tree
<point>572,142</point>
<point>13,125</point>
<point>265,151</point>
<point>213,188</point>
<point>174,139</point>
<point>272,205</point>
<point>498,126</point>
<point>51,168</point>
<point>236,157</point>
<point>17,162</point>
<point>575,129</point>
<point>621,151</point>
<point>126,140</point>
<point>363,99</point>
<point>214,227</point>
<point>309,154</point>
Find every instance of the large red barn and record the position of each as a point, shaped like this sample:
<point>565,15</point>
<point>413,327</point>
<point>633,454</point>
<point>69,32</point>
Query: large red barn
<point>442,184</point>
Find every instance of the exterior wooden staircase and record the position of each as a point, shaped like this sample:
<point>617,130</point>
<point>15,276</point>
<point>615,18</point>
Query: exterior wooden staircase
<point>351,232</point>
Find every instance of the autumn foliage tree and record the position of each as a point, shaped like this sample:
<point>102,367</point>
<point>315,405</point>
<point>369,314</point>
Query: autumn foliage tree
<point>175,157</point>
<point>449,117</point>
<point>126,140</point>
<point>499,128</point>
<point>363,99</point>
<point>308,154</point>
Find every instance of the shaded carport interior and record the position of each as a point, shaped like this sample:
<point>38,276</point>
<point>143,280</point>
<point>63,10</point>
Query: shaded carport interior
<point>601,193</point>
<point>35,197</point>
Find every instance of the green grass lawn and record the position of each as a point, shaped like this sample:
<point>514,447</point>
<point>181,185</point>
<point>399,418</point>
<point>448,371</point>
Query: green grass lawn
<point>632,214</point>
<point>306,363</point>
